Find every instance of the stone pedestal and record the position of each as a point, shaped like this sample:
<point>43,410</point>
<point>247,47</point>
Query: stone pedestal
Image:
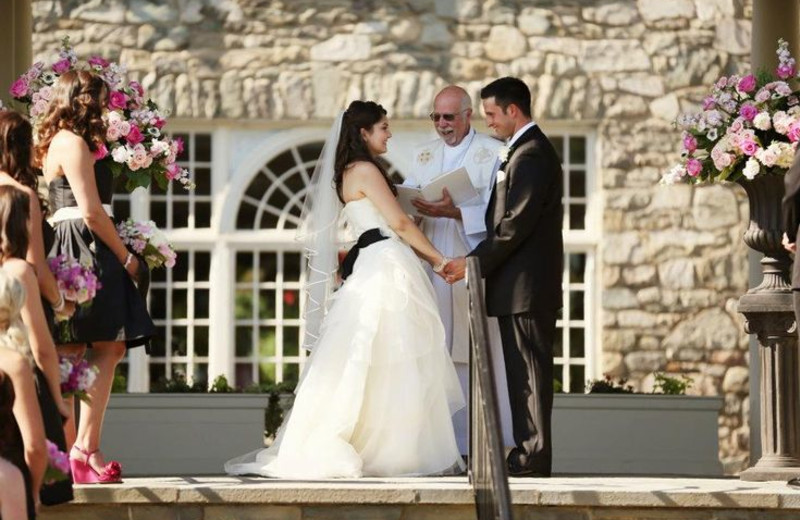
<point>769,312</point>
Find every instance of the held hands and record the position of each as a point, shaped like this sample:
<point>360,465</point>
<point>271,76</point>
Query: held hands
<point>455,269</point>
<point>789,246</point>
<point>440,208</point>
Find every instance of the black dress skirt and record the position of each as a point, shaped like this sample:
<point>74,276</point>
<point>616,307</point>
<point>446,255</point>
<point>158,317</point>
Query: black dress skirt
<point>119,310</point>
<point>61,491</point>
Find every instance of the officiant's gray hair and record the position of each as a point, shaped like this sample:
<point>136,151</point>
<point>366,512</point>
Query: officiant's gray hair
<point>466,100</point>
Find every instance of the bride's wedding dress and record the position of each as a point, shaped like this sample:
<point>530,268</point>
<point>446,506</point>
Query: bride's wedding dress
<point>378,392</point>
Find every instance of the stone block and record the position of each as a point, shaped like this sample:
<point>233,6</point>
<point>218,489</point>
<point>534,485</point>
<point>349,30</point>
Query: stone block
<point>639,275</point>
<point>654,10</point>
<point>465,512</point>
<point>104,11</point>
<point>711,329</point>
<point>737,380</point>
<point>733,36</point>
<point>666,107</point>
<point>677,274</point>
<point>715,207</point>
<point>645,361</point>
<point>353,513</point>
<point>462,10</point>
<point>533,21</point>
<point>253,512</point>
<point>435,33</point>
<point>342,47</point>
<point>619,298</point>
<point>611,13</point>
<point>505,43</point>
<point>614,56</point>
<point>642,85</point>
<point>406,29</point>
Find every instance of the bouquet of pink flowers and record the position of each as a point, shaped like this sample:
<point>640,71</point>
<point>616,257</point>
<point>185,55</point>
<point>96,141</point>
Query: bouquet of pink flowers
<point>135,146</point>
<point>77,282</point>
<point>749,126</point>
<point>57,464</point>
<point>148,241</point>
<point>76,378</point>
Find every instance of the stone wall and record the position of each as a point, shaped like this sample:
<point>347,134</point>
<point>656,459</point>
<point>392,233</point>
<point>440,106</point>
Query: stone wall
<point>673,263</point>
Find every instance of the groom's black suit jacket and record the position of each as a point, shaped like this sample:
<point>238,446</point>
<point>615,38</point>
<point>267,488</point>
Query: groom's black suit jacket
<point>522,257</point>
<point>791,213</point>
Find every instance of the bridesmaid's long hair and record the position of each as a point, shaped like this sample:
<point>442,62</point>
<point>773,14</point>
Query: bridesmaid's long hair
<point>14,216</point>
<point>16,150</point>
<point>6,410</point>
<point>79,97</point>
<point>360,115</point>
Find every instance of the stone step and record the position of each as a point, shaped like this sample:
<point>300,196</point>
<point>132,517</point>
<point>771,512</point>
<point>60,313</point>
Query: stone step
<point>558,498</point>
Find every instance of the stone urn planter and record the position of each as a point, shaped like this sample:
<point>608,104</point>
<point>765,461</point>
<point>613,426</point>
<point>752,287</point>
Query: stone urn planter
<point>769,314</point>
<point>183,434</point>
<point>636,434</point>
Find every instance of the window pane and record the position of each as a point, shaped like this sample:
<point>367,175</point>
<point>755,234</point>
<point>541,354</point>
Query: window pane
<point>576,342</point>
<point>558,144</point>
<point>158,345</point>
<point>244,267</point>
<point>577,376</point>
<point>258,186</point>
<point>200,373</point>
<point>246,218</point>
<point>291,341</point>
<point>202,214</point>
<point>201,303</point>
<point>266,342</point>
<point>202,147</point>
<point>576,305</point>
<point>577,267</point>
<point>266,304</point>
<point>291,267</point>
<point>184,156</point>
<point>577,183</point>
<point>158,213</point>
<point>291,372</point>
<point>158,304</point>
<point>179,304</point>
<point>202,265</point>
<point>180,214</point>
<point>201,341</point>
<point>268,220</point>
<point>291,304</point>
<point>577,216</point>
<point>266,372</point>
<point>577,150</point>
<point>122,208</point>
<point>310,151</point>
<point>157,374</point>
<point>558,343</point>
<point>179,347</point>
<point>180,273</point>
<point>244,304</point>
<point>268,267</point>
<point>159,275</point>
<point>244,341</point>
<point>244,374</point>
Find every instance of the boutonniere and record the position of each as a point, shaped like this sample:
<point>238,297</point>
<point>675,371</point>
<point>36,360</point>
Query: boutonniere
<point>424,157</point>
<point>501,176</point>
<point>503,153</point>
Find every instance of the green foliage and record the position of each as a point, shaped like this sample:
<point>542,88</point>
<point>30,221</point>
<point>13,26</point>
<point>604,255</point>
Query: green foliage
<point>558,387</point>
<point>119,385</point>
<point>221,386</point>
<point>178,385</point>
<point>667,385</point>
<point>273,415</point>
<point>608,386</point>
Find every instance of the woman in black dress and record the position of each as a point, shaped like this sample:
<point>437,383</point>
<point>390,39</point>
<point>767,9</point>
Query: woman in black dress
<point>16,170</point>
<point>80,200</point>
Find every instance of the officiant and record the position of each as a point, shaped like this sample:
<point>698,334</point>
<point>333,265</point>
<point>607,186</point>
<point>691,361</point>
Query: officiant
<point>457,229</point>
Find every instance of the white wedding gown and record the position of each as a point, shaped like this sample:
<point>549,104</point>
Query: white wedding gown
<point>379,389</point>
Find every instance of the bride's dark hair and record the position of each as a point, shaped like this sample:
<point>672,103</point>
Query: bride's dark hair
<point>352,148</point>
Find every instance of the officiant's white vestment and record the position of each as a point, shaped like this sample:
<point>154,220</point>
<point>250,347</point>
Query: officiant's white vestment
<point>453,238</point>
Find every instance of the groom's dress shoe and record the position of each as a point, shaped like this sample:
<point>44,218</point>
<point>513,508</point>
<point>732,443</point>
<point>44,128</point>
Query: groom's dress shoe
<point>518,467</point>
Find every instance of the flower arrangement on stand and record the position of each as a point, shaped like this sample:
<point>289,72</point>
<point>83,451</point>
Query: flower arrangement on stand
<point>135,146</point>
<point>76,378</point>
<point>146,240</point>
<point>57,464</point>
<point>748,126</point>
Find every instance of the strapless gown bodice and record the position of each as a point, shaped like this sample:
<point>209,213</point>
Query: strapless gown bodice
<point>362,215</point>
<point>60,192</point>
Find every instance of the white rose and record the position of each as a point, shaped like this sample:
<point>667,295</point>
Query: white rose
<point>751,168</point>
<point>762,121</point>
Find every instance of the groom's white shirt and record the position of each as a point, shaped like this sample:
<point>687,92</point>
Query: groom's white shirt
<point>478,154</point>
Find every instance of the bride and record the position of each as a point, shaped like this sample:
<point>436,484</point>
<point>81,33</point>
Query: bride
<point>378,391</point>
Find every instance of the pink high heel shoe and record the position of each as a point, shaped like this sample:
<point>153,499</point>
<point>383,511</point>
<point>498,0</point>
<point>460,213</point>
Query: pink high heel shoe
<point>84,473</point>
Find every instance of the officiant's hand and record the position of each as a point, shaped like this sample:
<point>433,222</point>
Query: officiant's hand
<point>440,208</point>
<point>455,269</point>
<point>789,246</point>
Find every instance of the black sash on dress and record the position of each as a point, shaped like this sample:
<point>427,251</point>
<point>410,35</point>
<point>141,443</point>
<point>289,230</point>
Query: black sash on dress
<point>367,238</point>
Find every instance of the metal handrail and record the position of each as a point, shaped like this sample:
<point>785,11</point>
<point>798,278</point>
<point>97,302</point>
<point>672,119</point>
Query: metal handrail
<point>487,464</point>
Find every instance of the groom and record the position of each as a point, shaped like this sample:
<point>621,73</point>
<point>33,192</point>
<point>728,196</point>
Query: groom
<point>522,260</point>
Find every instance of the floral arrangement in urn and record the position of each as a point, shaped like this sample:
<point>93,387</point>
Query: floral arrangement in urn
<point>135,146</point>
<point>749,126</point>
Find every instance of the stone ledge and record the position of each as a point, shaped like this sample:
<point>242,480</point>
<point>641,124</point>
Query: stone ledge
<point>580,492</point>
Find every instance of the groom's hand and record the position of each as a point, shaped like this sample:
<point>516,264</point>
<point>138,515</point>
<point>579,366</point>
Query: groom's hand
<point>440,208</point>
<point>455,269</point>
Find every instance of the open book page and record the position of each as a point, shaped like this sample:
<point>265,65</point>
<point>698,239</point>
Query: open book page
<point>404,196</point>
<point>458,185</point>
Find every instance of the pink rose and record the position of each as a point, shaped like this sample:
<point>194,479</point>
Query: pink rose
<point>97,61</point>
<point>749,147</point>
<point>794,132</point>
<point>159,122</point>
<point>689,143</point>
<point>747,84</point>
<point>117,100</point>
<point>135,136</point>
<point>101,152</point>
<point>748,111</point>
<point>173,171</point>
<point>61,66</point>
<point>694,167</point>
<point>19,88</point>
<point>137,87</point>
<point>709,103</point>
<point>785,71</point>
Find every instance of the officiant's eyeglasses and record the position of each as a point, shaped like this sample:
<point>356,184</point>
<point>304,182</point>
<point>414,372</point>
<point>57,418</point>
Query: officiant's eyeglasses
<point>435,116</point>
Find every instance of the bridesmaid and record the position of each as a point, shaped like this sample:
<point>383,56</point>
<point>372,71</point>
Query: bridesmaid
<point>80,198</point>
<point>16,171</point>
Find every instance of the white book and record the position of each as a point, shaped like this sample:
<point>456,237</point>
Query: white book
<point>457,182</point>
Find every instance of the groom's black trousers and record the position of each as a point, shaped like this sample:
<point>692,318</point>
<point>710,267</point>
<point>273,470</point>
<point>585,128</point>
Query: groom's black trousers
<point>528,351</point>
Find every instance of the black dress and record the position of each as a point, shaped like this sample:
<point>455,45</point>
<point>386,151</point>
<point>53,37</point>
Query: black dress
<point>118,311</point>
<point>12,449</point>
<point>61,491</point>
